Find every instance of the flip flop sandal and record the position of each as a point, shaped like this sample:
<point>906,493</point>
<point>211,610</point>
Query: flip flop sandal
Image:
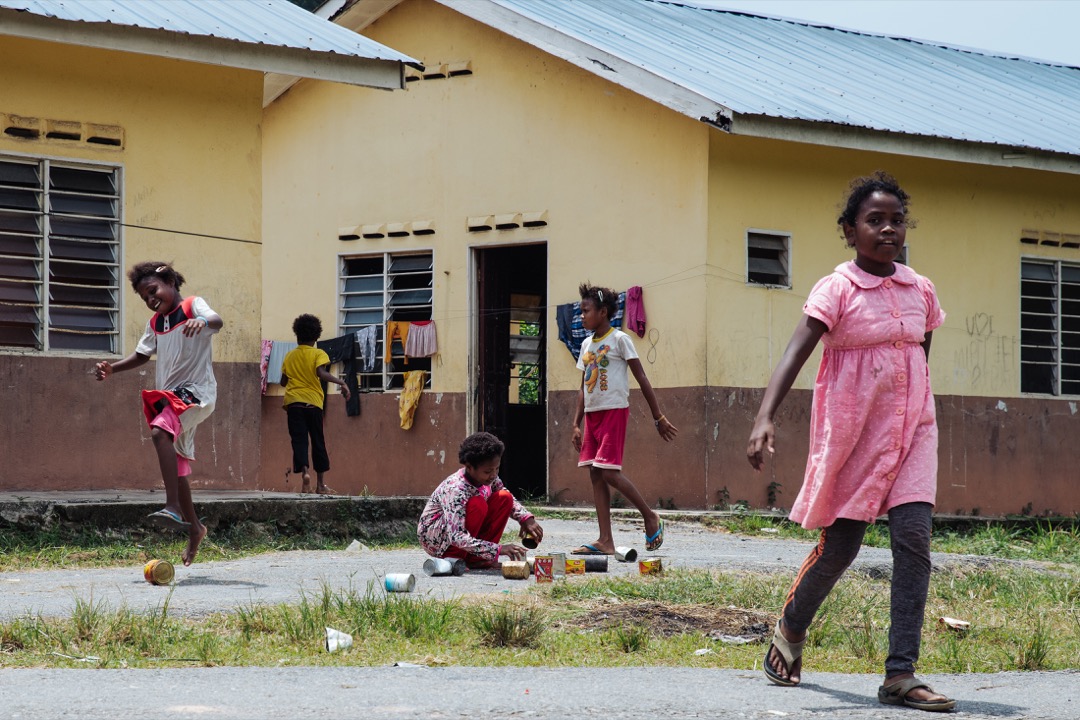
<point>654,541</point>
<point>168,520</point>
<point>896,694</point>
<point>790,652</point>
<point>588,550</point>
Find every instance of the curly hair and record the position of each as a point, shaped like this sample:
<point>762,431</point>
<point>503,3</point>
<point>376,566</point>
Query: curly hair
<point>480,447</point>
<point>307,328</point>
<point>863,187</point>
<point>601,297</point>
<point>154,268</point>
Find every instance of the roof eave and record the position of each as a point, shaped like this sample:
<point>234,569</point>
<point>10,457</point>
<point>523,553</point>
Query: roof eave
<point>936,148</point>
<point>297,62</point>
<point>600,63</point>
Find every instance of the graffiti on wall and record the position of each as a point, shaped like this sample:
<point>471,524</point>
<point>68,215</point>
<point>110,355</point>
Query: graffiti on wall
<point>985,358</point>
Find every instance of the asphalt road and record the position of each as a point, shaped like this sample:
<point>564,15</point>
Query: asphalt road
<point>459,692</point>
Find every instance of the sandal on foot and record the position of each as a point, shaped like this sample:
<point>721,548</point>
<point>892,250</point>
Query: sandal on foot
<point>589,550</point>
<point>790,652</point>
<point>654,541</point>
<point>165,518</point>
<point>897,694</point>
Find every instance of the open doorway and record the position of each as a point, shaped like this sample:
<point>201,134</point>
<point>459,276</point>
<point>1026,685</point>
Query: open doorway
<point>511,387</point>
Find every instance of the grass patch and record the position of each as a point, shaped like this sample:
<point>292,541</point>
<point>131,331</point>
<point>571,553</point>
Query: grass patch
<point>23,550</point>
<point>1021,620</point>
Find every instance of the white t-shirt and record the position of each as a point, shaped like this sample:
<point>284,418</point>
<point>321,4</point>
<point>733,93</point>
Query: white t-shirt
<point>182,361</point>
<point>603,360</point>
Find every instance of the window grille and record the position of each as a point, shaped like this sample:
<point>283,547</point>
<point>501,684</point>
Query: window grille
<point>381,288</point>
<point>1049,327</point>
<point>59,256</point>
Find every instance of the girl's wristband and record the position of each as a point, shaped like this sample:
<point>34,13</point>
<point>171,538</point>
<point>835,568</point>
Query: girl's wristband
<point>204,320</point>
<point>659,420</point>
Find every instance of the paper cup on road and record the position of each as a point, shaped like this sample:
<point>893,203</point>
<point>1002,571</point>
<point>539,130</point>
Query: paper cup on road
<point>400,582</point>
<point>625,554</point>
<point>337,640</point>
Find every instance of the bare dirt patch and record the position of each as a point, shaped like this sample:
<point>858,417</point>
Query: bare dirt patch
<point>668,620</point>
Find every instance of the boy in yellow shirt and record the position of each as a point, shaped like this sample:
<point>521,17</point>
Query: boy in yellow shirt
<point>302,373</point>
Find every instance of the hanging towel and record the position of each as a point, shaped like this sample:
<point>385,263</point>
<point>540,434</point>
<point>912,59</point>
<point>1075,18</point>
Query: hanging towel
<point>264,362</point>
<point>343,350</point>
<point>366,338</point>
<point>635,311</point>
<point>410,397</point>
<point>279,349</point>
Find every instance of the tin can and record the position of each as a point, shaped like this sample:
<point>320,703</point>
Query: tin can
<point>458,566</point>
<point>529,540</point>
<point>651,566</point>
<point>558,564</point>
<point>400,582</point>
<point>625,554</point>
<point>158,572</point>
<point>440,566</point>
<point>542,565</point>
<point>595,563</point>
<point>575,566</point>
<point>515,570</point>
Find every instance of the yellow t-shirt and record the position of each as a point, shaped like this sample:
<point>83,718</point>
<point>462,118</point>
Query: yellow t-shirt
<point>304,385</point>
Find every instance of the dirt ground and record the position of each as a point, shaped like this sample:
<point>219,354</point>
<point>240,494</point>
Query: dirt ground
<point>717,623</point>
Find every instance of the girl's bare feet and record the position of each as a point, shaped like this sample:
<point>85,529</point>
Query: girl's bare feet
<point>195,537</point>
<point>306,487</point>
<point>324,490</point>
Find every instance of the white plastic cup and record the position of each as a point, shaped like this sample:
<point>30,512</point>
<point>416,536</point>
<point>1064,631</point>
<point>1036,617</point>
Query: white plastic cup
<point>438,566</point>
<point>625,554</point>
<point>337,640</point>
<point>400,582</point>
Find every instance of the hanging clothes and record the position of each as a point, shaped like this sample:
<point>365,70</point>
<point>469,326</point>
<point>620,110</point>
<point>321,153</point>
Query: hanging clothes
<point>395,328</point>
<point>422,341</point>
<point>279,349</point>
<point>343,350</point>
<point>264,362</point>
<point>635,311</point>
<point>366,338</point>
<point>410,397</point>
<point>577,333</point>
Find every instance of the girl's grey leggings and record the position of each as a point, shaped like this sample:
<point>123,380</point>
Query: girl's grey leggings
<point>909,527</point>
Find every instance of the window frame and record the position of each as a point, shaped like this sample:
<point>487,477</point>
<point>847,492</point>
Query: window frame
<point>380,378</point>
<point>784,259</point>
<point>45,165</point>
<point>1059,349</point>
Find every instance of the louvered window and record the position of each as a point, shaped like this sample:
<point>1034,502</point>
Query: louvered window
<point>382,288</point>
<point>767,260</point>
<point>59,256</point>
<point>1049,327</point>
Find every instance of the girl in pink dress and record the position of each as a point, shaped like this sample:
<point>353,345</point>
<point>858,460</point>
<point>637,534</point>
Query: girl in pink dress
<point>873,434</point>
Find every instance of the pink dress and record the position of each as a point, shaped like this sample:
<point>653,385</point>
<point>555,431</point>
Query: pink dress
<point>873,430</point>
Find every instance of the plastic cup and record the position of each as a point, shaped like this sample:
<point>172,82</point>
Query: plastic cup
<point>337,640</point>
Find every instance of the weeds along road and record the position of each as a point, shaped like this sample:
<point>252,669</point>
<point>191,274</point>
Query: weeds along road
<point>272,578</point>
<point>373,693</point>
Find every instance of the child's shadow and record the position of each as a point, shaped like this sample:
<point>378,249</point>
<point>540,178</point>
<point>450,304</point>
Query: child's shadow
<point>970,707</point>
<point>195,580</point>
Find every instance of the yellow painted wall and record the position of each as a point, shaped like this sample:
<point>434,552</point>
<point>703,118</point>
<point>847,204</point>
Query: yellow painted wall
<point>967,241</point>
<point>191,161</point>
<point>624,182</point>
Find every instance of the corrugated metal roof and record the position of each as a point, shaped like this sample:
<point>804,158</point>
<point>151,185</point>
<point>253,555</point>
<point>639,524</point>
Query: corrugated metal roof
<point>275,23</point>
<point>786,69</point>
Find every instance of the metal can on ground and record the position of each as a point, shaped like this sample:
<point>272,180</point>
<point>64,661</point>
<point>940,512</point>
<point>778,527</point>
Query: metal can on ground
<point>444,566</point>
<point>529,540</point>
<point>575,566</point>
<point>158,572</point>
<point>558,564</point>
<point>542,567</point>
<point>595,563</point>
<point>651,566</point>
<point>399,582</point>
<point>515,570</point>
<point>625,554</point>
